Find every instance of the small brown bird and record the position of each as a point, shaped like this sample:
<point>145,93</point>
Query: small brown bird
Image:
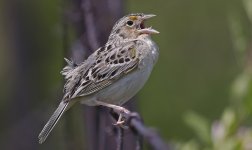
<point>114,73</point>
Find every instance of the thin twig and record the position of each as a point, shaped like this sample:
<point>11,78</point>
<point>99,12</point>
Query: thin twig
<point>120,134</point>
<point>155,141</point>
<point>133,120</point>
<point>139,142</point>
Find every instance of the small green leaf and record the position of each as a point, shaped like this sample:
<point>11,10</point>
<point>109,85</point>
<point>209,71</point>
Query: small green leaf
<point>200,125</point>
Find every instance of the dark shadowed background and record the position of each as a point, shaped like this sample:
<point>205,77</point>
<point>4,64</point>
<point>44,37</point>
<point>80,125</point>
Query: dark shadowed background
<point>204,66</point>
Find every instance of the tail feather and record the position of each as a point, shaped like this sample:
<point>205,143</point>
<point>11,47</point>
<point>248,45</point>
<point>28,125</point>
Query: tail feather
<point>52,122</point>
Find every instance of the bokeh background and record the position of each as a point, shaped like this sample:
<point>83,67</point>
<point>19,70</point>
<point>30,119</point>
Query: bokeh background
<point>199,91</point>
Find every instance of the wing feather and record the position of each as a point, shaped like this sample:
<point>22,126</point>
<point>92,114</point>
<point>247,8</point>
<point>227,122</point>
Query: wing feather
<point>107,67</point>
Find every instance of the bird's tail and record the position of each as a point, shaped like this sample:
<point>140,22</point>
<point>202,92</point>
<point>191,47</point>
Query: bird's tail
<point>52,121</point>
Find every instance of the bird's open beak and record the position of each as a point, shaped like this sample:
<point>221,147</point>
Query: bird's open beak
<point>148,16</point>
<point>148,30</point>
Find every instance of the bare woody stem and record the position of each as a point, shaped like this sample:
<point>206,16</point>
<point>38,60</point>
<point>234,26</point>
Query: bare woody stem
<point>136,124</point>
<point>120,133</point>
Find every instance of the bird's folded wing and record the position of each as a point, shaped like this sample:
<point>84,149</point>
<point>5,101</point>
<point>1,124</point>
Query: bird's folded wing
<point>108,65</point>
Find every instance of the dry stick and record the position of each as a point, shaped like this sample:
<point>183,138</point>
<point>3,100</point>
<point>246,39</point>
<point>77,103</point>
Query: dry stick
<point>120,134</point>
<point>151,136</point>
<point>139,142</point>
<point>133,120</point>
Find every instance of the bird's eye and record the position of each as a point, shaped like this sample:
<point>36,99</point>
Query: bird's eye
<point>130,23</point>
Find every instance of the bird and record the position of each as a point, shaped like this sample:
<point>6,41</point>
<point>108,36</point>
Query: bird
<point>112,74</point>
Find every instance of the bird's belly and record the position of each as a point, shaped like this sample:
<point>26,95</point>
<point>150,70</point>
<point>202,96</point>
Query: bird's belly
<point>123,89</point>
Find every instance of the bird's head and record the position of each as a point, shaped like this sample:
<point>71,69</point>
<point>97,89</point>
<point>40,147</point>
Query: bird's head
<point>131,26</point>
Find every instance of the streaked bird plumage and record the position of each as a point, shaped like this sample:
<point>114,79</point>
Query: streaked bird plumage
<point>114,73</point>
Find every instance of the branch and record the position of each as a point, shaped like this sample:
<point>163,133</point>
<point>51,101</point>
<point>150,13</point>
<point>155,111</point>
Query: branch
<point>139,142</point>
<point>120,133</point>
<point>135,123</point>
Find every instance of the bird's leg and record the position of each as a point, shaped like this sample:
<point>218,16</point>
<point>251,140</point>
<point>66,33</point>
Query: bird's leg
<point>116,108</point>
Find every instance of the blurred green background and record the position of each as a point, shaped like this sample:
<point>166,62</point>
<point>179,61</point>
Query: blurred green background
<point>197,62</point>
<point>204,49</point>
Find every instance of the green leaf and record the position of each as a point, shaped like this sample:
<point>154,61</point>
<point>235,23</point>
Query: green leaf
<point>200,125</point>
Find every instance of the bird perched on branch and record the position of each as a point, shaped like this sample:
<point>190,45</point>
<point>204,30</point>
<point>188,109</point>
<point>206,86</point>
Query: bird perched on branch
<point>113,74</point>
